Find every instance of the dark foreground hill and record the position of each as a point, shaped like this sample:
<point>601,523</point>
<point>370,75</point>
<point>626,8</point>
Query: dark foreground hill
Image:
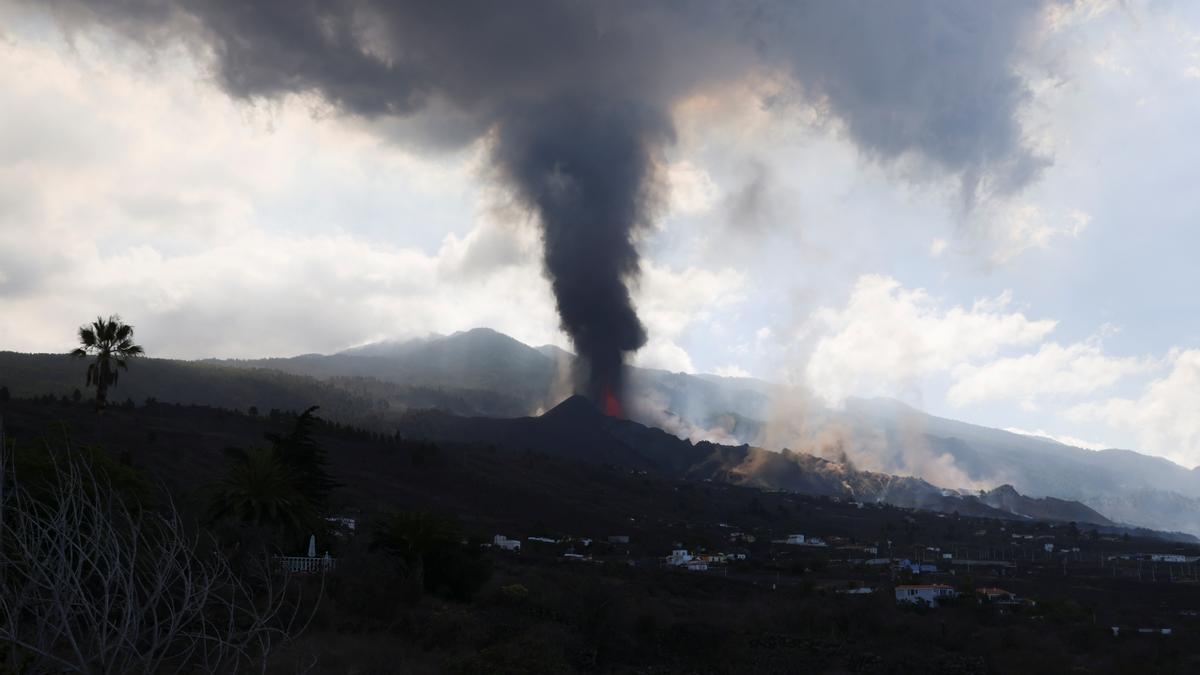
<point>576,430</point>
<point>495,482</point>
<point>559,468</point>
<point>484,373</point>
<point>610,606</point>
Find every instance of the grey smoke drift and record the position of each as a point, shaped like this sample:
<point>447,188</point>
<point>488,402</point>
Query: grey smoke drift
<point>576,98</point>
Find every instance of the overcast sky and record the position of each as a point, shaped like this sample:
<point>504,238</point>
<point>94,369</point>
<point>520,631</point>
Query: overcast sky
<point>792,247</point>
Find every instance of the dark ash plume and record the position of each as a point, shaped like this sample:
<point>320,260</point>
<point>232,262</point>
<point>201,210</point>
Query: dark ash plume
<point>577,97</point>
<point>587,168</point>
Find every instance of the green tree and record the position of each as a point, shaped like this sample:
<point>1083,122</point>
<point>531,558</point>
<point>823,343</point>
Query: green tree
<point>109,343</point>
<point>431,551</point>
<point>300,452</point>
<point>260,490</point>
<point>281,487</point>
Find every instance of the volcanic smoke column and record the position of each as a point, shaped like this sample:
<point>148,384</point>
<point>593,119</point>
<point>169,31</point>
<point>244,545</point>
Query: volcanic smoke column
<point>575,94</point>
<point>587,168</point>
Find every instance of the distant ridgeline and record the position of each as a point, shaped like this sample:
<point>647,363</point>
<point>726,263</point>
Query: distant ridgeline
<point>577,430</point>
<point>483,373</point>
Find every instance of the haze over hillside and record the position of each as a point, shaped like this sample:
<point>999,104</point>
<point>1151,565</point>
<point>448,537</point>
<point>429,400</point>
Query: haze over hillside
<point>576,429</point>
<point>485,373</point>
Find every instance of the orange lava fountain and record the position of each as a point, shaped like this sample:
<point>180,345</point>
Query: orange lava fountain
<point>609,403</point>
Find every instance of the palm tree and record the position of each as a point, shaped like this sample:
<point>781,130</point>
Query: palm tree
<point>305,458</point>
<point>260,490</point>
<point>418,538</point>
<point>110,343</point>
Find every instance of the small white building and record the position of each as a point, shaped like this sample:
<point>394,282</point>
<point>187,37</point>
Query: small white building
<point>679,556</point>
<point>794,539</point>
<point>697,566</point>
<point>928,593</point>
<point>343,523</point>
<point>501,541</point>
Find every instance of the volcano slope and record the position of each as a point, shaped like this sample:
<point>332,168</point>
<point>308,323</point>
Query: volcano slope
<point>575,429</point>
<point>572,466</point>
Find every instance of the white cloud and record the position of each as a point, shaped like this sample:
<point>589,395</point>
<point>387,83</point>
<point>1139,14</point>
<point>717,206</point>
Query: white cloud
<point>887,338</point>
<point>150,150</point>
<point>1163,418</point>
<point>1060,438</point>
<point>664,354</point>
<point>731,370</point>
<point>670,302</point>
<point>1074,370</point>
<point>693,191</point>
<point>1187,42</point>
<point>1008,229</point>
<point>224,229</point>
<point>264,294</point>
<point>1062,15</point>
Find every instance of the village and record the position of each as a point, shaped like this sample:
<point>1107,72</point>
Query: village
<point>929,561</point>
<point>921,575</point>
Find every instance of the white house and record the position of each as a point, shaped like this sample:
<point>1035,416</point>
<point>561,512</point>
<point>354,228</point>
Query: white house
<point>679,556</point>
<point>501,541</point>
<point>697,566</point>
<point>306,564</point>
<point>794,539</point>
<point>345,523</point>
<point>929,593</point>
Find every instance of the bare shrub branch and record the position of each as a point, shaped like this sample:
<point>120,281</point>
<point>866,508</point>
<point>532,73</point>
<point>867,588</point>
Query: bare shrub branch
<point>92,584</point>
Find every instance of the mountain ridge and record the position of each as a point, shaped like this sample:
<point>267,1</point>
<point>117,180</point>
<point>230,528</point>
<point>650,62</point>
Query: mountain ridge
<point>576,429</point>
<point>482,372</point>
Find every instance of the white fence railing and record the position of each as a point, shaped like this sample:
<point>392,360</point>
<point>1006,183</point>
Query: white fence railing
<point>294,564</point>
